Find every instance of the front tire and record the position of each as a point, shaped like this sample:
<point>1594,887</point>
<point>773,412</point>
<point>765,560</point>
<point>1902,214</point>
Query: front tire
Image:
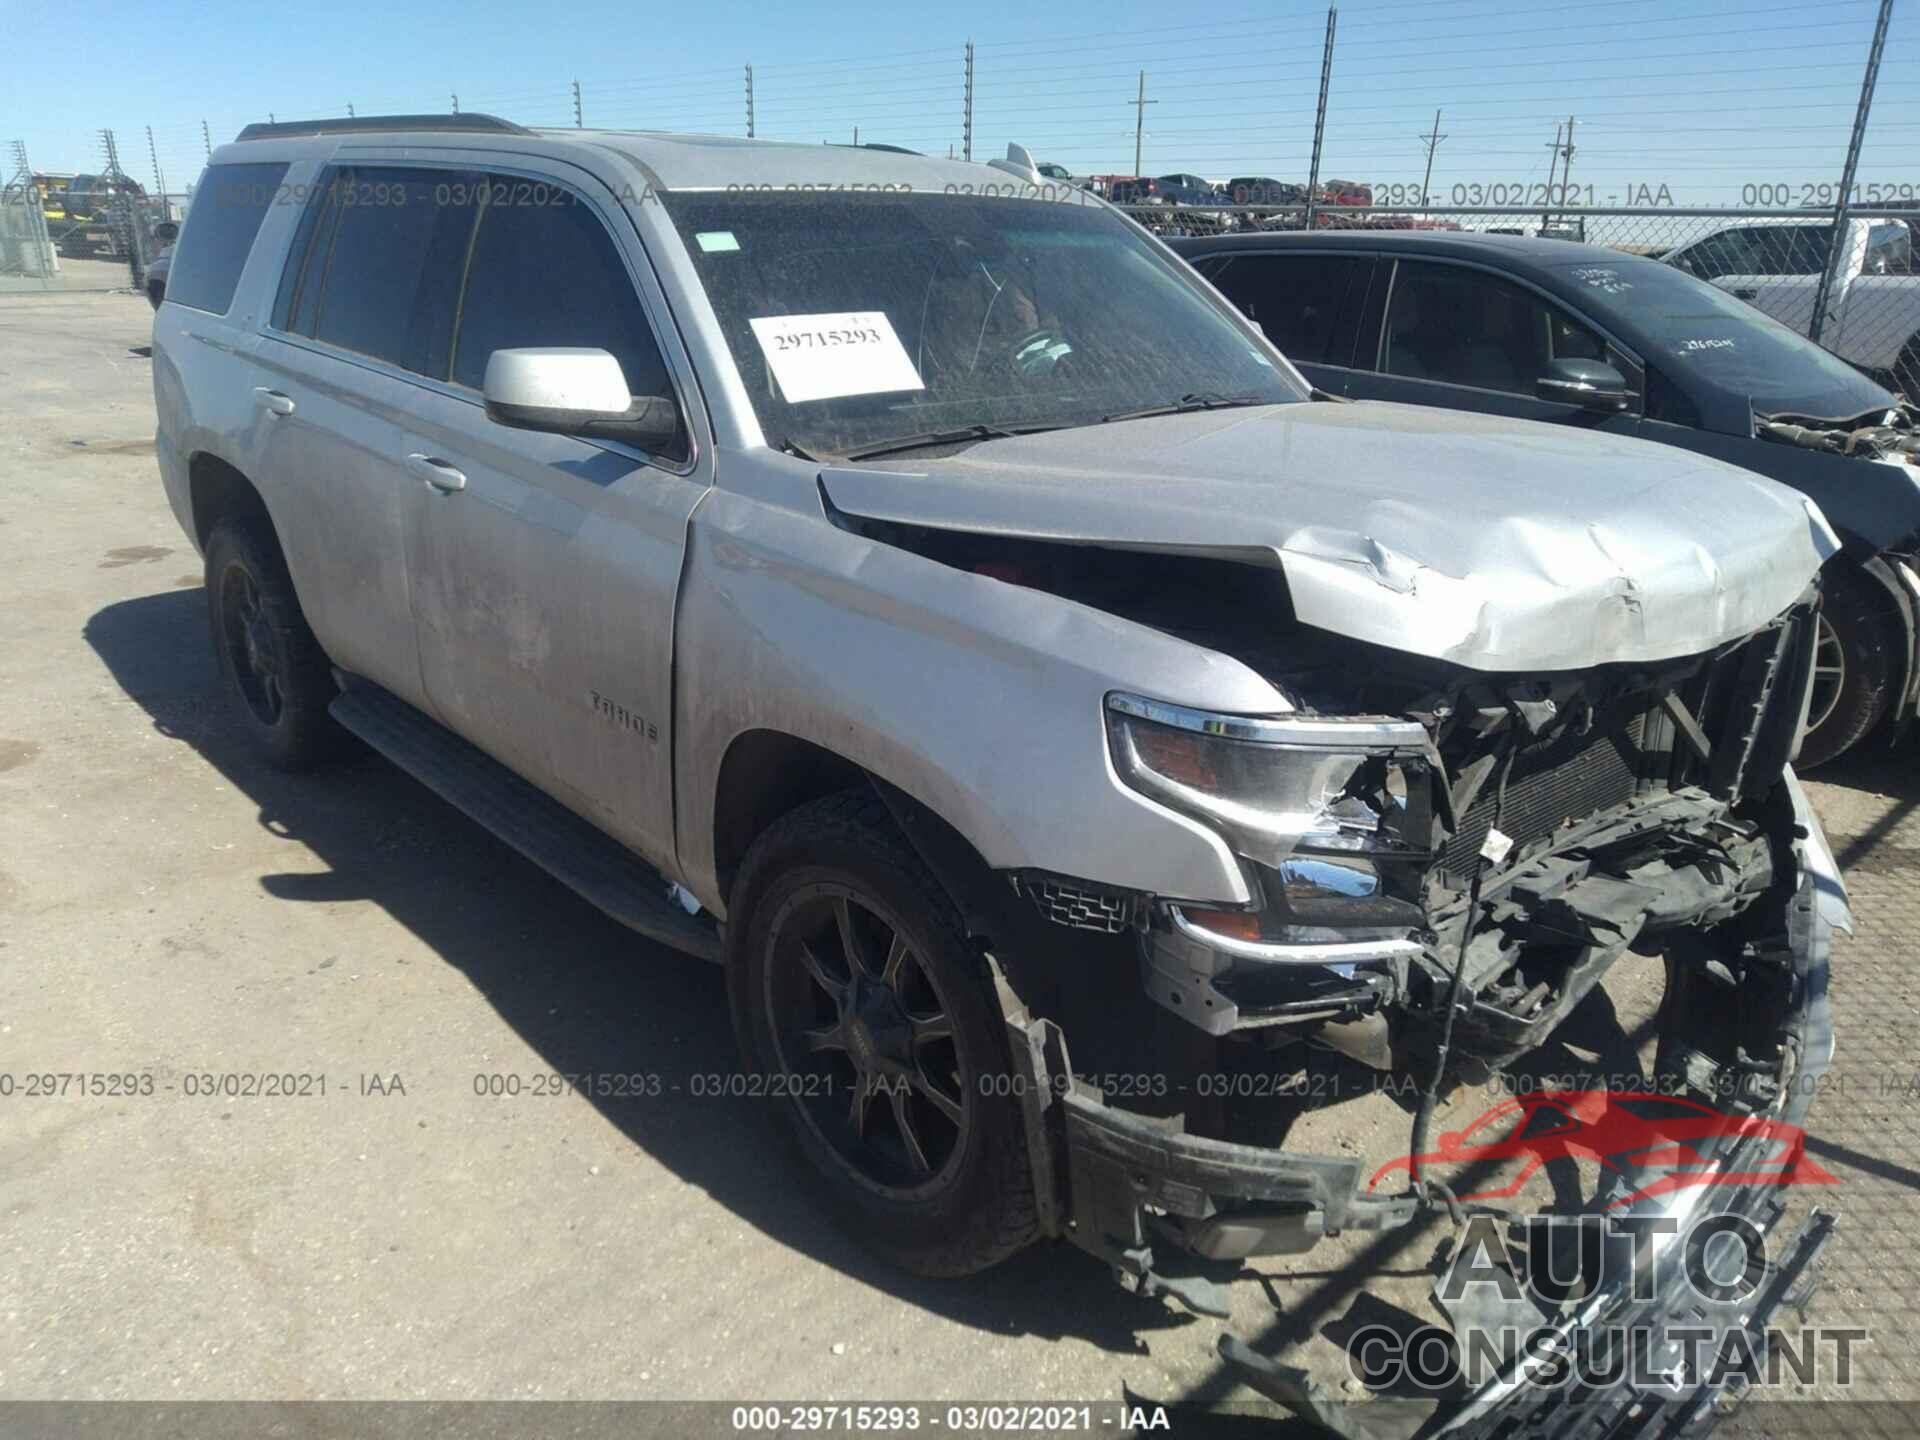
<point>271,662</point>
<point>859,997</point>
<point>1853,668</point>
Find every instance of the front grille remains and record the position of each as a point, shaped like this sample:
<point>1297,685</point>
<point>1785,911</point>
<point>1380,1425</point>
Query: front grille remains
<point>1746,702</point>
<point>1564,777</point>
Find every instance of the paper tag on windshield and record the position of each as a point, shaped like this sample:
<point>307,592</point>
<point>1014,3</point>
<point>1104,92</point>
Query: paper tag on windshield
<point>822,357</point>
<point>1495,847</point>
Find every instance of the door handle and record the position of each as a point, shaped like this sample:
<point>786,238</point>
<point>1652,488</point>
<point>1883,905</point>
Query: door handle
<point>437,473</point>
<point>272,400</point>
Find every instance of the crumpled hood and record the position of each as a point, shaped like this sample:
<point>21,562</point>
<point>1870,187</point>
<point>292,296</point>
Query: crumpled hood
<point>1496,544</point>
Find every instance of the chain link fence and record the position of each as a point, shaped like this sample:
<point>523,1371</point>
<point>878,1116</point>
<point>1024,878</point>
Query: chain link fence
<point>90,230</point>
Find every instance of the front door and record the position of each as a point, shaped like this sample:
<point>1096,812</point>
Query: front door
<point>545,567</point>
<point>1463,338</point>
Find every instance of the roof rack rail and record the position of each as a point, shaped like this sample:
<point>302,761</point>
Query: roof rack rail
<point>464,120</point>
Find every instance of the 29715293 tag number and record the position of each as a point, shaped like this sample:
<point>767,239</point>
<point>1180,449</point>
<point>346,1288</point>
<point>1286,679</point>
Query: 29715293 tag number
<point>826,339</point>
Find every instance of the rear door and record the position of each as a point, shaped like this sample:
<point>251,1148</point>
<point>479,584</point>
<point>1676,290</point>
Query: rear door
<point>363,315</point>
<point>1465,338</point>
<point>545,567</point>
<point>1311,305</point>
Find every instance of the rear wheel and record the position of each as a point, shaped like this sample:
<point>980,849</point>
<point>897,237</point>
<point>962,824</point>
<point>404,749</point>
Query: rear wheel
<point>859,998</point>
<point>1853,668</point>
<point>272,663</point>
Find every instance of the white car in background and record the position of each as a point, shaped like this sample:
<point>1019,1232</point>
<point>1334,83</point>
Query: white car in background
<point>1873,313</point>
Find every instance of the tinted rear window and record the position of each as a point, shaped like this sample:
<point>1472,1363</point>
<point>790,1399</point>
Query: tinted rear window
<point>227,210</point>
<point>1309,305</point>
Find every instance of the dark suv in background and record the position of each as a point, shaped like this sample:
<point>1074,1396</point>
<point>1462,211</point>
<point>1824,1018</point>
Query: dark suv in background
<point>1583,336</point>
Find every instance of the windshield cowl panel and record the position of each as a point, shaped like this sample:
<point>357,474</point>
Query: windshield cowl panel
<point>862,320</point>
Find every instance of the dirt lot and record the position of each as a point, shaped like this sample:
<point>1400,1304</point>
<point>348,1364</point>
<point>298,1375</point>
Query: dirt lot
<point>171,910</point>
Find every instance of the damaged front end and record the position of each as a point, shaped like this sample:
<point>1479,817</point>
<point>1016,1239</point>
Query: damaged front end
<point>1436,884</point>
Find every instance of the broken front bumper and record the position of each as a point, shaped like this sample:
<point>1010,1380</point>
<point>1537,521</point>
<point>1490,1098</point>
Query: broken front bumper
<point>1119,1184</point>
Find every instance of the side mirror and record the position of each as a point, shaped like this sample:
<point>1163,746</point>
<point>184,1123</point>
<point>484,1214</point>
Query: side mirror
<point>166,232</point>
<point>1590,384</point>
<point>576,392</point>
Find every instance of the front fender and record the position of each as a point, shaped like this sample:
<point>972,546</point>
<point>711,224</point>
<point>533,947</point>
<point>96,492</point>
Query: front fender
<point>980,699</point>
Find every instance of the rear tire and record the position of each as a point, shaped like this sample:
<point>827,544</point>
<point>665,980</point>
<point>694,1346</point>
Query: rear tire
<point>894,1094</point>
<point>1854,667</point>
<point>271,662</point>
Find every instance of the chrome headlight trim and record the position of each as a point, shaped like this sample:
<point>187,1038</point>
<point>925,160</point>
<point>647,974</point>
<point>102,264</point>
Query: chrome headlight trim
<point>1374,736</point>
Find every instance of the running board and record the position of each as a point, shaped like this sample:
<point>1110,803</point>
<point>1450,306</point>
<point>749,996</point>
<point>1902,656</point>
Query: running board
<point>573,851</point>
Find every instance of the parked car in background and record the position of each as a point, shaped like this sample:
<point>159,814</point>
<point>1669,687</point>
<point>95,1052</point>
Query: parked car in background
<point>1262,190</point>
<point>1051,171</point>
<point>91,197</point>
<point>1185,189</point>
<point>956,620</point>
<point>1133,190</point>
<point>158,268</point>
<point>1873,310</point>
<point>100,211</point>
<point>1586,337</point>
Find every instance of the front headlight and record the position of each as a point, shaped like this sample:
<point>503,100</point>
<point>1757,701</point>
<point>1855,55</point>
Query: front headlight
<point>1351,794</point>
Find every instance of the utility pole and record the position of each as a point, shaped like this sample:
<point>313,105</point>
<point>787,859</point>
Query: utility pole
<point>576,104</point>
<point>349,109</point>
<point>1837,251</point>
<point>749,102</point>
<point>1140,120</point>
<point>206,139</point>
<point>1320,115</point>
<point>856,137</point>
<point>966,110</point>
<point>1566,170</point>
<point>1553,160</point>
<point>1432,139</point>
<point>159,180</point>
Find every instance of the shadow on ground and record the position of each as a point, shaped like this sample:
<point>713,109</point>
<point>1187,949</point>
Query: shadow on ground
<point>586,993</point>
<point>590,996</point>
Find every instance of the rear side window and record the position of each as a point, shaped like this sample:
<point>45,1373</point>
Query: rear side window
<point>228,207</point>
<point>1308,305</point>
<point>546,272</point>
<point>379,258</point>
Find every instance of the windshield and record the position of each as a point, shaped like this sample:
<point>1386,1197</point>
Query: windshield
<point>1693,328</point>
<point>858,319</point>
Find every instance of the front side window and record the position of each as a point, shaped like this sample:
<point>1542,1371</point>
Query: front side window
<point>545,272</point>
<point>1685,328</point>
<point>1308,305</point>
<point>856,319</point>
<point>229,205</point>
<point>1465,327</point>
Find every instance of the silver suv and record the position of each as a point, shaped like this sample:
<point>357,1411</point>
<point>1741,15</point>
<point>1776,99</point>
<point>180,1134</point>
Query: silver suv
<point>907,584</point>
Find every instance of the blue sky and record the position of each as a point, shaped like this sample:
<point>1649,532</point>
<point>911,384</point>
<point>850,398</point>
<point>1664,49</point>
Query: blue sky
<point>1704,97</point>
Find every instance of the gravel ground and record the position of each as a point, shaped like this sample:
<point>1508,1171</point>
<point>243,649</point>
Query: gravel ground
<point>171,910</point>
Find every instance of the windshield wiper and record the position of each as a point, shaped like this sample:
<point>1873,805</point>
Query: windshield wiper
<point>1193,400</point>
<point>927,439</point>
